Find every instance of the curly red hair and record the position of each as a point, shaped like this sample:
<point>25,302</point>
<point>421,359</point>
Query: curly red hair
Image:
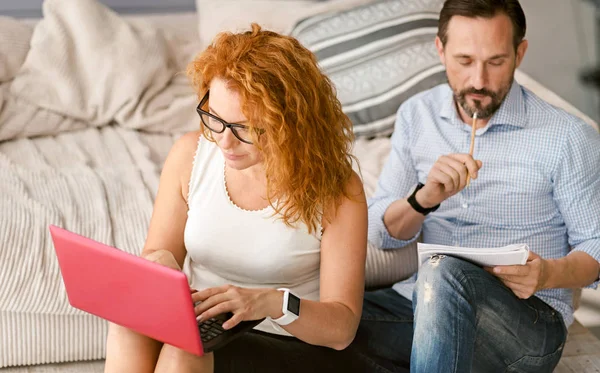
<point>307,141</point>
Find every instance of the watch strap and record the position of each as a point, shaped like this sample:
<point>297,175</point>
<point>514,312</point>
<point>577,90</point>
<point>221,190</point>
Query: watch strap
<point>286,319</point>
<point>288,316</point>
<point>412,201</point>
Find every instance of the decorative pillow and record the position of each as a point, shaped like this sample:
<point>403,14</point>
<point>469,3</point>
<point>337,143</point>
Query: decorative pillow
<point>215,16</point>
<point>377,55</point>
<point>383,267</point>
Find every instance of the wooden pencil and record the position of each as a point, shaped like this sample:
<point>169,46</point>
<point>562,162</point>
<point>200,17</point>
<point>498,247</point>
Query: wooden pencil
<point>472,147</point>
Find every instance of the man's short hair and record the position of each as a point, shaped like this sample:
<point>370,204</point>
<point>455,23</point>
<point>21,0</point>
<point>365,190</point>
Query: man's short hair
<point>484,9</point>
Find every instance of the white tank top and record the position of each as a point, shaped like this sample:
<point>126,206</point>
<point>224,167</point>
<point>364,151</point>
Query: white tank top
<point>229,245</point>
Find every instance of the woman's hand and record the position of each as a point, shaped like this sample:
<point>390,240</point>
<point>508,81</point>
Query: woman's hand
<point>245,304</point>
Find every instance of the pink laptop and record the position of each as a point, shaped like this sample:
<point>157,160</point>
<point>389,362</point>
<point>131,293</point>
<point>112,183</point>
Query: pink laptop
<point>138,294</point>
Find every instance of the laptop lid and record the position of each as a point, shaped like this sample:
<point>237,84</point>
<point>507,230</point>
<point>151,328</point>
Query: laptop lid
<point>127,290</point>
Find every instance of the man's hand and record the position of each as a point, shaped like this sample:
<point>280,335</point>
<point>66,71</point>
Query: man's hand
<point>447,177</point>
<point>524,280</point>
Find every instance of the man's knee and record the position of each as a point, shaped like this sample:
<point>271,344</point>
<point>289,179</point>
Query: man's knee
<point>442,273</point>
<point>444,267</point>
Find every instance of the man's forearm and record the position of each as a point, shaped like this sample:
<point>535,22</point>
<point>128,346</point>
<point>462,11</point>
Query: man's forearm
<point>575,270</point>
<point>402,221</point>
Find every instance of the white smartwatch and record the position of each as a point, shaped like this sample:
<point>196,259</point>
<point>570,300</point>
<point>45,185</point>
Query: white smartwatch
<point>290,308</point>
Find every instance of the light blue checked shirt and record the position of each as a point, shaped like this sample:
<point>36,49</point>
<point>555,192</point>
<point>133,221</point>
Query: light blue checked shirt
<point>539,184</point>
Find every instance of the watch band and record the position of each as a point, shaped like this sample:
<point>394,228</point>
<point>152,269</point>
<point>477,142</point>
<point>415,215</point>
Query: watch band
<point>412,200</point>
<point>288,315</point>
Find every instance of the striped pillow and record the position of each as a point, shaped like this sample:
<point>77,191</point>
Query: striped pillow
<point>377,55</point>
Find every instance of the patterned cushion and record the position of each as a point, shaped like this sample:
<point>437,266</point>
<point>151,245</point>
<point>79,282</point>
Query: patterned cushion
<point>377,55</point>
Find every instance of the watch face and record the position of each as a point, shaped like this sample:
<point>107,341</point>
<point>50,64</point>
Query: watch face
<point>293,304</point>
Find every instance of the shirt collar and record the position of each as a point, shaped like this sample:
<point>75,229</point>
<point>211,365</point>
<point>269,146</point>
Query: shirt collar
<point>511,112</point>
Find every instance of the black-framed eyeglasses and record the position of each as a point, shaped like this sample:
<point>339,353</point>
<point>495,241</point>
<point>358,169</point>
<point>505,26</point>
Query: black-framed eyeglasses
<point>218,125</point>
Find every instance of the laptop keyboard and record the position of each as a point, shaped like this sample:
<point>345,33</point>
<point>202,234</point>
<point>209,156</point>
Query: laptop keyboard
<point>211,328</point>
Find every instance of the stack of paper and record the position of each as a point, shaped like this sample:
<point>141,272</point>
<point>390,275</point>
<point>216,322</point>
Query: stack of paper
<point>489,257</point>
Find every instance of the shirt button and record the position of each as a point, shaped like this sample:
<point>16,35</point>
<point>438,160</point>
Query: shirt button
<point>465,205</point>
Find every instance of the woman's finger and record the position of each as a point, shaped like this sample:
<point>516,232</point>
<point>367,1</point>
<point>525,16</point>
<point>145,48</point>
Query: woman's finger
<point>233,321</point>
<point>204,294</point>
<point>220,308</point>
<point>211,302</point>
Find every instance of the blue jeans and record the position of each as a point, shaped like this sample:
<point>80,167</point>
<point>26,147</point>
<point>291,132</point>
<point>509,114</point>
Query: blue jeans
<point>461,319</point>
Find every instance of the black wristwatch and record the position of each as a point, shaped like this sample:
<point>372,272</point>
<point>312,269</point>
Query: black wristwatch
<point>412,200</point>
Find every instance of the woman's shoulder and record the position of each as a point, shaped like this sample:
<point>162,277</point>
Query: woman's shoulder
<point>183,151</point>
<point>186,145</point>
<point>355,187</point>
<point>179,162</point>
<point>353,202</point>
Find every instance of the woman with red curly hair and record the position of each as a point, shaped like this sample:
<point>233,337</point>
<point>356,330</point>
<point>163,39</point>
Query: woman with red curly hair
<point>262,210</point>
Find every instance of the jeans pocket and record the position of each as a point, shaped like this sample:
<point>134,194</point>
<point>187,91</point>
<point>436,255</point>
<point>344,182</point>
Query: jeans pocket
<point>537,364</point>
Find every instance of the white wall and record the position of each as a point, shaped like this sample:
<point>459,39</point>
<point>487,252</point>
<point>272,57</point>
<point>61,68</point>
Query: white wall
<point>562,42</point>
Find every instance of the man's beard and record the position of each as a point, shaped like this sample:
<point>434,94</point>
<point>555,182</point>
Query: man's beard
<point>483,112</point>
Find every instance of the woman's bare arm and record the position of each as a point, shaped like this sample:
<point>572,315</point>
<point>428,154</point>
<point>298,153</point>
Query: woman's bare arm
<point>164,243</point>
<point>333,320</point>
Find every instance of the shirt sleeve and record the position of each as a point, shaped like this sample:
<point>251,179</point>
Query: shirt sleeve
<point>397,178</point>
<point>577,189</point>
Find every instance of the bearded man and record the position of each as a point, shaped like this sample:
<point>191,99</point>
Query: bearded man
<point>534,179</point>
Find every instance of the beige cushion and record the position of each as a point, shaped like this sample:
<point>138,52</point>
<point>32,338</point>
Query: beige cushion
<point>14,45</point>
<point>215,16</point>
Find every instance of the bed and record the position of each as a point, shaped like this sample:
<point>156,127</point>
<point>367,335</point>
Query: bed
<point>91,104</point>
